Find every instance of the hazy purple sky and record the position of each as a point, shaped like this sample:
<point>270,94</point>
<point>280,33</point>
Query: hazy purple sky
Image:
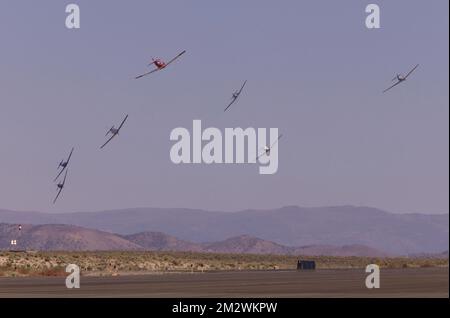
<point>314,71</point>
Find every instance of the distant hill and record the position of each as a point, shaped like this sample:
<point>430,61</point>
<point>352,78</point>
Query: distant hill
<point>346,250</point>
<point>247,244</point>
<point>400,234</point>
<point>441,255</point>
<point>62,237</point>
<point>57,237</point>
<point>157,241</point>
<point>253,245</point>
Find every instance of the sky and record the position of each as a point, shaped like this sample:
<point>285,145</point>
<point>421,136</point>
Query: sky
<point>314,71</point>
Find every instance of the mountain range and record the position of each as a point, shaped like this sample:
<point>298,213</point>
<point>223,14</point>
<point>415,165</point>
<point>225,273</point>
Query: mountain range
<point>60,237</point>
<point>292,226</point>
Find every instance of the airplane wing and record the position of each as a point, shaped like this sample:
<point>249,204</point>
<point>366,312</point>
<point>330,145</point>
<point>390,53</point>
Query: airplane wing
<point>109,131</point>
<point>263,152</point>
<point>242,87</point>
<point>65,177</point>
<point>411,71</point>
<point>148,73</point>
<point>57,196</point>
<point>175,58</point>
<point>259,156</point>
<point>62,170</point>
<point>114,135</point>
<point>279,137</point>
<point>70,156</point>
<point>123,122</point>
<point>232,102</point>
<point>391,86</point>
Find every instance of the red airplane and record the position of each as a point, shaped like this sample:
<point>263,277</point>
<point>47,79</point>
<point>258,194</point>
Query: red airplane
<point>160,64</point>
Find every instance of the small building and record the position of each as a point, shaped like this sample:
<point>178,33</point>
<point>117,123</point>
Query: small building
<point>303,265</point>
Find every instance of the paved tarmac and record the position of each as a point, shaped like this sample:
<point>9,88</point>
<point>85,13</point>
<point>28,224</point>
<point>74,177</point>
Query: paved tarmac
<point>424,282</point>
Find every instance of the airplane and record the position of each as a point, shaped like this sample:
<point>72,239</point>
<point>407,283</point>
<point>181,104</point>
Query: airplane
<point>235,96</point>
<point>160,65</point>
<point>400,78</point>
<point>114,132</point>
<point>267,149</point>
<point>63,164</point>
<point>61,186</point>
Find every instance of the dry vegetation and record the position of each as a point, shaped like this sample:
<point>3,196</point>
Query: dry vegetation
<point>130,263</point>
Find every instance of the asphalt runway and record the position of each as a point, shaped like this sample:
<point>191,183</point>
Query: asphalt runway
<point>429,282</point>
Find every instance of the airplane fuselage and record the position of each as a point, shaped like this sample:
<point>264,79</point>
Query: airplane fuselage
<point>159,64</point>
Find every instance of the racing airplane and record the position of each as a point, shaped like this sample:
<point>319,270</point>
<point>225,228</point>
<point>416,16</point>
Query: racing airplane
<point>235,96</point>
<point>61,186</point>
<point>63,164</point>
<point>267,149</point>
<point>400,78</point>
<point>114,132</point>
<point>160,65</point>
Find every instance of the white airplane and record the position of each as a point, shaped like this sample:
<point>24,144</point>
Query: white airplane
<point>61,186</point>
<point>267,148</point>
<point>400,78</point>
<point>235,96</point>
<point>63,164</point>
<point>114,132</point>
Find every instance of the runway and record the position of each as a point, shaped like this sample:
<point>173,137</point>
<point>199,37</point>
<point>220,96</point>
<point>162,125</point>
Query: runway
<point>424,282</point>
